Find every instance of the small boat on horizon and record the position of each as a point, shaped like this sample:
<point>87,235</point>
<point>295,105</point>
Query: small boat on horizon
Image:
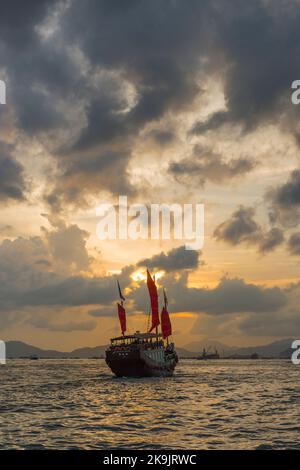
<point>206,355</point>
<point>34,357</point>
<point>144,354</point>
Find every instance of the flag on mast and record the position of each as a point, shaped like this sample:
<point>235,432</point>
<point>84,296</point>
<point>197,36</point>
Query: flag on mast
<point>120,292</point>
<point>165,298</point>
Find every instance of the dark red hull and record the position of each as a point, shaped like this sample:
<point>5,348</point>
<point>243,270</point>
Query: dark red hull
<point>138,363</point>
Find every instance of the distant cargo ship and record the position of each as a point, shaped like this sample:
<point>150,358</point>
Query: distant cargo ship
<point>34,357</point>
<point>206,355</point>
<point>144,354</point>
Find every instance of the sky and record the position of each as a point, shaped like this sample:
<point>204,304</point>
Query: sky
<point>165,101</point>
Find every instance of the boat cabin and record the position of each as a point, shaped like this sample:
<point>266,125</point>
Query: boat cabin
<point>147,340</point>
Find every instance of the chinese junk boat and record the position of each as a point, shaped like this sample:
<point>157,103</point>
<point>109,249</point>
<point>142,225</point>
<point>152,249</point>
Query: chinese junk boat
<point>143,354</point>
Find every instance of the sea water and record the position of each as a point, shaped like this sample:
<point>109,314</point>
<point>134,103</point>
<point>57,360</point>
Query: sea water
<point>221,404</point>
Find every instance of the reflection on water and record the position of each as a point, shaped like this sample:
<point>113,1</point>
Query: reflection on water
<point>69,404</point>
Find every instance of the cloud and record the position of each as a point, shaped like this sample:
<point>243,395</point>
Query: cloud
<point>72,291</point>
<point>34,286</point>
<point>161,137</point>
<point>285,201</point>
<point>271,240</point>
<point>258,49</point>
<point>12,180</point>
<point>231,296</point>
<point>205,164</point>
<point>40,270</point>
<point>90,79</point>
<point>228,297</point>
<point>294,244</point>
<point>67,245</point>
<point>106,311</point>
<point>242,228</point>
<point>66,327</point>
<point>276,324</point>
<point>175,260</point>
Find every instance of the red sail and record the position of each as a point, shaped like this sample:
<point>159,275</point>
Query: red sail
<point>154,301</point>
<point>122,317</point>
<point>166,327</point>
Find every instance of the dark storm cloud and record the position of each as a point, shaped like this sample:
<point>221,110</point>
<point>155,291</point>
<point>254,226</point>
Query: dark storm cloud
<point>277,324</point>
<point>72,291</point>
<point>103,312</point>
<point>161,137</point>
<point>174,260</point>
<point>259,43</point>
<point>230,296</point>
<point>285,201</point>
<point>204,164</point>
<point>89,76</point>
<point>75,291</point>
<point>288,195</point>
<point>27,284</point>
<point>87,174</point>
<point>152,47</point>
<point>271,240</point>
<point>294,244</point>
<point>235,296</point>
<point>12,182</point>
<point>240,227</point>
<point>66,327</point>
<point>39,271</point>
<point>18,20</point>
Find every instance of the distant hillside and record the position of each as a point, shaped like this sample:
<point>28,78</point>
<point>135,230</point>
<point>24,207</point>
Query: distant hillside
<point>15,349</point>
<point>274,349</point>
<point>287,353</point>
<point>182,352</point>
<point>209,344</point>
<point>85,353</point>
<point>269,350</point>
<point>18,349</point>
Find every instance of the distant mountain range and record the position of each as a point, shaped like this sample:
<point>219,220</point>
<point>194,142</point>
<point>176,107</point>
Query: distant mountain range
<point>281,348</point>
<point>275,349</point>
<point>15,349</point>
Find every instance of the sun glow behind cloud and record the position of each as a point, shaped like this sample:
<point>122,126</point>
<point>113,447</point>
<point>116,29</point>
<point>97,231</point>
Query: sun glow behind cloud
<point>141,275</point>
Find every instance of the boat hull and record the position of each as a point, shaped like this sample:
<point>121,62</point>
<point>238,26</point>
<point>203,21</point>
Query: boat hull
<point>141,364</point>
